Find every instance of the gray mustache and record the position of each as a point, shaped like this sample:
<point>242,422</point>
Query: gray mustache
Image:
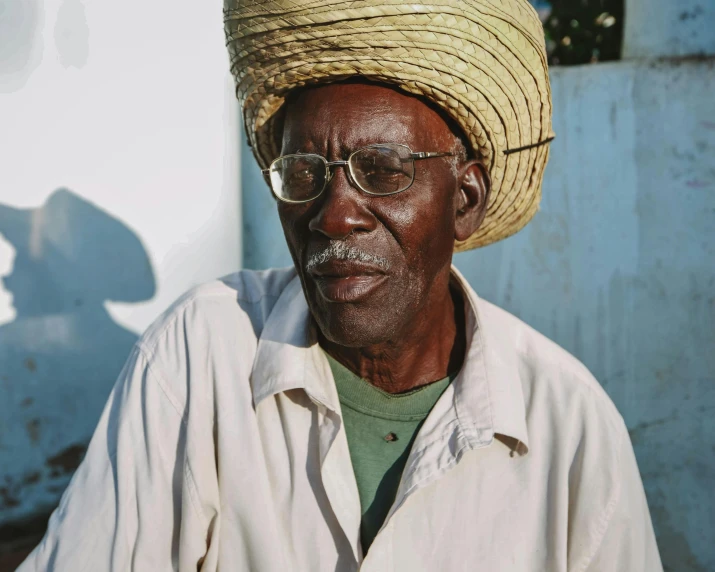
<point>341,251</point>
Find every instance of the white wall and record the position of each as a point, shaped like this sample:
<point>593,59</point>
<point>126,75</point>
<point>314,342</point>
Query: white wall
<point>130,105</point>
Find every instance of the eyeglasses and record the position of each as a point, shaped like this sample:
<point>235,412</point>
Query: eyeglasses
<point>380,170</point>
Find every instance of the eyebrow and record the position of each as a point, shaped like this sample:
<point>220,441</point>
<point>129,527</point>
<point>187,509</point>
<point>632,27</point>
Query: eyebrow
<point>345,151</point>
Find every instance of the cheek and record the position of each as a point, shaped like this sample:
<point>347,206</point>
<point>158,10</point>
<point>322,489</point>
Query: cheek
<point>294,221</point>
<point>422,222</point>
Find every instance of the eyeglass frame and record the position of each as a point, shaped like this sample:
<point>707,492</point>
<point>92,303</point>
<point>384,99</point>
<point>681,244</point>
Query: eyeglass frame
<point>414,156</point>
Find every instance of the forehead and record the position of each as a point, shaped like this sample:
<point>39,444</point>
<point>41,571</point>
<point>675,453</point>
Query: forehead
<point>348,115</point>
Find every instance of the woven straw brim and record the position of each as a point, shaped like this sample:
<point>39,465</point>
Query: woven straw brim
<point>482,61</point>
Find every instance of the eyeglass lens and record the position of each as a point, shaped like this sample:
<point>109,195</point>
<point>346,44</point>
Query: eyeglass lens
<point>378,170</point>
<point>298,178</point>
<point>382,170</point>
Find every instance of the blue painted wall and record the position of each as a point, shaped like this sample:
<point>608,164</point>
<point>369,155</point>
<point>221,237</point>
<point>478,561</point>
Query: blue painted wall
<point>668,28</point>
<point>61,355</point>
<point>618,267</point>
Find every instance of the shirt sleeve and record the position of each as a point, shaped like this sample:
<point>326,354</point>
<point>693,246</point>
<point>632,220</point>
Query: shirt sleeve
<point>628,541</point>
<point>131,504</point>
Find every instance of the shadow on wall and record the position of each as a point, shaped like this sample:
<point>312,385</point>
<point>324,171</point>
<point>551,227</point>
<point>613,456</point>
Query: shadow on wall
<point>61,355</point>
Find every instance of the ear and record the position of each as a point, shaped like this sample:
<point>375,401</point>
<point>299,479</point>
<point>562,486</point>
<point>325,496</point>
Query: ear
<point>471,199</point>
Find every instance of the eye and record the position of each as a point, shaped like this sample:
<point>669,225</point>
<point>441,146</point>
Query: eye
<point>299,176</point>
<point>382,170</point>
<point>384,167</point>
<point>381,174</point>
<point>380,166</point>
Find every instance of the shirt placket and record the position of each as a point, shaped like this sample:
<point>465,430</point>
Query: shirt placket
<point>338,477</point>
<point>430,459</point>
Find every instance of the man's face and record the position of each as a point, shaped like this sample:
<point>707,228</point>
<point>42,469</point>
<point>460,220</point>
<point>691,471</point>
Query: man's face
<point>368,264</point>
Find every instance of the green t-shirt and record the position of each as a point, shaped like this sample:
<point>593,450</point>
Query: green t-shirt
<point>381,428</point>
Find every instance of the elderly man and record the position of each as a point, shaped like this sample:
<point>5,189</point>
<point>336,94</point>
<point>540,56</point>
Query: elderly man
<point>365,409</point>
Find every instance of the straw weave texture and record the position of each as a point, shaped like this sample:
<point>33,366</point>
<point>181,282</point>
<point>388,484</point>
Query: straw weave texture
<point>482,61</point>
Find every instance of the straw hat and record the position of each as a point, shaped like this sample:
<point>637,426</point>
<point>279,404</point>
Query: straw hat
<point>482,61</point>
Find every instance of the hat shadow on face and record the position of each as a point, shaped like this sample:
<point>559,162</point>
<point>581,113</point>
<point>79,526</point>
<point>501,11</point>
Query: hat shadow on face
<point>61,355</point>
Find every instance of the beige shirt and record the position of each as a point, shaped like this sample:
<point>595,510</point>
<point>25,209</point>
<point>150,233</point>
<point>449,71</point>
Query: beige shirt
<point>222,447</point>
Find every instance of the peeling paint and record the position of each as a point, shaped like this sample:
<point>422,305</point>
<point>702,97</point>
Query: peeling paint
<point>33,430</point>
<point>31,478</point>
<point>30,364</point>
<point>636,432</point>
<point>692,14</point>
<point>9,494</point>
<point>68,459</point>
<point>696,184</point>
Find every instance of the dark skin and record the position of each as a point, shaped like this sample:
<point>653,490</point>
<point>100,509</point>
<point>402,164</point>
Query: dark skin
<point>398,327</point>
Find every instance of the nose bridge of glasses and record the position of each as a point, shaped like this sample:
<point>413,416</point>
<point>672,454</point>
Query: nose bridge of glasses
<point>336,163</point>
<point>341,210</point>
<point>330,165</point>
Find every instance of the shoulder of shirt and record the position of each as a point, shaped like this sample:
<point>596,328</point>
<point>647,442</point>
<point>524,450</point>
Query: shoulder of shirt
<point>548,363</point>
<point>221,304</point>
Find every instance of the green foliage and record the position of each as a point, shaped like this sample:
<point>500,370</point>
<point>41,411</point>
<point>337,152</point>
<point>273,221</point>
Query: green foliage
<point>581,31</point>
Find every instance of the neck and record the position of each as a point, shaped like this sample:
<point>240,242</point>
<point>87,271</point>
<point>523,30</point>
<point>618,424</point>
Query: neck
<point>429,348</point>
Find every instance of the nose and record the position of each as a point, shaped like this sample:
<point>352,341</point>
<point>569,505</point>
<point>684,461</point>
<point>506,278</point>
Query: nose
<point>343,209</point>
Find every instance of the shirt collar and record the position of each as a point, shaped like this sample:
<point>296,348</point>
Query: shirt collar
<point>288,355</point>
<point>488,398</point>
<point>488,391</point>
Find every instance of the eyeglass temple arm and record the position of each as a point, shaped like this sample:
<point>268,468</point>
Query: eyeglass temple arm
<point>430,155</point>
